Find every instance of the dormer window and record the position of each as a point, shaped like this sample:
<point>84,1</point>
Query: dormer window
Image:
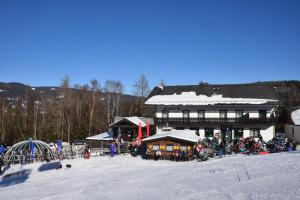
<point>185,114</point>
<point>165,114</point>
<point>262,114</point>
<point>223,114</point>
<point>239,113</point>
<point>201,114</point>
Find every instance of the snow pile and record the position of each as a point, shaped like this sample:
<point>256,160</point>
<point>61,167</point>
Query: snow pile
<point>296,117</point>
<point>274,176</point>
<point>190,98</point>
<point>187,135</point>
<point>102,136</point>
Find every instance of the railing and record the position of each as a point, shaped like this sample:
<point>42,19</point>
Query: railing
<point>178,121</point>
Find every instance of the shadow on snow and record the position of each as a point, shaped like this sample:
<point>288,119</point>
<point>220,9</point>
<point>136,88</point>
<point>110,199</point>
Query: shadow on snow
<point>49,166</point>
<point>15,178</point>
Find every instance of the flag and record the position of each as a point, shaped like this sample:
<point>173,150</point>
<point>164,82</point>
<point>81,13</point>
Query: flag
<point>140,132</point>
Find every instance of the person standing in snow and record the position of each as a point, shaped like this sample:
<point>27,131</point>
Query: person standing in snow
<point>1,149</point>
<point>294,145</point>
<point>87,152</point>
<point>251,145</point>
<point>157,155</point>
<point>112,149</point>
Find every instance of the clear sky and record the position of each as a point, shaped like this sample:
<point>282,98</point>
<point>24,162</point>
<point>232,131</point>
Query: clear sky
<point>184,42</point>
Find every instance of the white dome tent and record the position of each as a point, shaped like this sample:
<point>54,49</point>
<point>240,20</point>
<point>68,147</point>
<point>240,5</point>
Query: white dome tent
<point>35,149</point>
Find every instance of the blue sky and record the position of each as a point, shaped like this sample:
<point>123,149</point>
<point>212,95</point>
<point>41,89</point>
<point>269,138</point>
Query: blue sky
<point>184,42</point>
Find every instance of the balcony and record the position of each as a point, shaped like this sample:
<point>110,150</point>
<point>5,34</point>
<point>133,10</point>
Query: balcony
<point>191,121</point>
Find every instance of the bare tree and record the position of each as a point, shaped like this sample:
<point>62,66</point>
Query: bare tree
<point>113,91</point>
<point>66,102</point>
<point>117,92</point>
<point>35,117</point>
<point>3,110</point>
<point>162,82</point>
<point>95,89</point>
<point>108,89</point>
<point>141,90</point>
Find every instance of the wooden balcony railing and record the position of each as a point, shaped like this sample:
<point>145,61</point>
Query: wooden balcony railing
<point>190,121</point>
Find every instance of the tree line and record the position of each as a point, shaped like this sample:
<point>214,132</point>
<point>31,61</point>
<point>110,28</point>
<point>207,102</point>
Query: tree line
<point>74,113</point>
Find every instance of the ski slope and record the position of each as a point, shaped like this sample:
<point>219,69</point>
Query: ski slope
<point>274,176</point>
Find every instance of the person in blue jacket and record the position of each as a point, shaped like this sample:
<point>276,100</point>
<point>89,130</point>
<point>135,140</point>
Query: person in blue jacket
<point>112,149</point>
<point>1,149</point>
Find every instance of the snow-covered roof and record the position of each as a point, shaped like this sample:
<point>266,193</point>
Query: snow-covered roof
<point>296,117</point>
<point>187,135</point>
<point>190,98</point>
<point>103,136</point>
<point>134,120</point>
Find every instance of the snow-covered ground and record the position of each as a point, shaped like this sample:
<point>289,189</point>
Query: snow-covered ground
<point>274,176</point>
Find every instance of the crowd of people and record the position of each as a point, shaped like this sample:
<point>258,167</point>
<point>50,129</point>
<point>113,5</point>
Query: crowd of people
<point>249,146</point>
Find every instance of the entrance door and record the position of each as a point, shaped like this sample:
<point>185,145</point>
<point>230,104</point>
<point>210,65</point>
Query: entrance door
<point>226,134</point>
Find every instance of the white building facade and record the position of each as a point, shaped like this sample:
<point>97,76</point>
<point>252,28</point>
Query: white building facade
<point>215,110</point>
<point>292,130</point>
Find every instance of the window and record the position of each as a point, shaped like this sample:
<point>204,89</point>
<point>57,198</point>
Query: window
<point>255,132</point>
<point>169,147</point>
<point>223,114</point>
<point>201,114</point>
<point>162,147</point>
<point>238,133</point>
<point>239,113</point>
<point>165,114</point>
<point>208,132</point>
<point>262,113</point>
<point>185,113</point>
<point>183,148</point>
<point>155,147</point>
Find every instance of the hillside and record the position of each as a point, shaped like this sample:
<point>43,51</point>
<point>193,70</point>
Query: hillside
<point>13,91</point>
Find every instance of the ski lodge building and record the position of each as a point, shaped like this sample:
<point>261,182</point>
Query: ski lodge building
<point>225,111</point>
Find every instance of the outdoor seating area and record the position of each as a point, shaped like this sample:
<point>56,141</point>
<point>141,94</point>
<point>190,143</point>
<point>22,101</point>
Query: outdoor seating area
<point>174,145</point>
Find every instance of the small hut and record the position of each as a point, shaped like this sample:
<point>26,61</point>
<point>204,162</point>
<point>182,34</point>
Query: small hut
<point>101,142</point>
<point>127,127</point>
<point>167,142</point>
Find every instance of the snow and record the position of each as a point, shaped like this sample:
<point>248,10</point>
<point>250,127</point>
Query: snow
<point>134,120</point>
<point>102,136</point>
<point>190,98</point>
<point>296,117</point>
<point>33,88</point>
<point>187,135</point>
<point>274,176</point>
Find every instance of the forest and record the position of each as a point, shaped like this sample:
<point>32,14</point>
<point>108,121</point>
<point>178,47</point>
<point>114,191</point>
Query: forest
<point>69,113</point>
